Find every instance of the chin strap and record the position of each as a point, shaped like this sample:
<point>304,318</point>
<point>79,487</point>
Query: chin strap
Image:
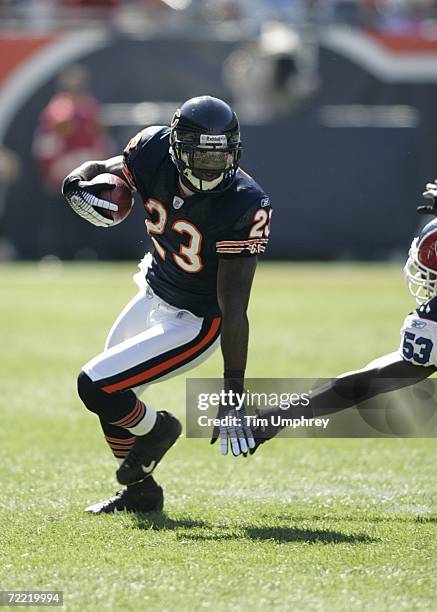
<point>183,189</point>
<point>189,176</point>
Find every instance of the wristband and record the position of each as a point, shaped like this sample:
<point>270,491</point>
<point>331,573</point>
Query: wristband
<point>233,374</point>
<point>234,380</point>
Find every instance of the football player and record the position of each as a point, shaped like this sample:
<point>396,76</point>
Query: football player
<point>416,358</point>
<point>208,220</point>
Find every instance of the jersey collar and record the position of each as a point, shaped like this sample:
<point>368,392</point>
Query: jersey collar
<point>183,191</point>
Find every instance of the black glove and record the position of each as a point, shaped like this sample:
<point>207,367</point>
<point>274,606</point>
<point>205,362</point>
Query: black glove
<point>431,194</point>
<point>263,433</point>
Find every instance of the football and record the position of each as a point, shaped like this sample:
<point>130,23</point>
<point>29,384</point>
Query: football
<point>121,195</point>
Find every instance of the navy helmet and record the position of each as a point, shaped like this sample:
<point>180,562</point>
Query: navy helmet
<point>205,144</point>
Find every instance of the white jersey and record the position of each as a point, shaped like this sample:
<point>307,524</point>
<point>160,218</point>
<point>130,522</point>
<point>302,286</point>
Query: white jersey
<point>419,335</point>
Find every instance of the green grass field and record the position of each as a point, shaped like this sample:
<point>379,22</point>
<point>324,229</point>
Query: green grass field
<point>305,524</point>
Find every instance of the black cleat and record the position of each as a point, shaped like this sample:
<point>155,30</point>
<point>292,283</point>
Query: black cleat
<point>148,450</point>
<point>144,496</point>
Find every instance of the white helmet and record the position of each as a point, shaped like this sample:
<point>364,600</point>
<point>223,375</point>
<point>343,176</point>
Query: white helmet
<point>421,267</point>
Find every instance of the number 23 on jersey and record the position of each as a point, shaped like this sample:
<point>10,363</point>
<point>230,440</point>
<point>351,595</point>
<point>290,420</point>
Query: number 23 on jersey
<point>188,258</point>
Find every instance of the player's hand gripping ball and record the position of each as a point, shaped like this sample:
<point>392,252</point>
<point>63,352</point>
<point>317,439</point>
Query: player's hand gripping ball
<point>120,194</point>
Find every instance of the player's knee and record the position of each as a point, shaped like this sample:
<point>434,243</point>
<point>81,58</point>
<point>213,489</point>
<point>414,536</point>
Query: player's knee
<point>89,392</point>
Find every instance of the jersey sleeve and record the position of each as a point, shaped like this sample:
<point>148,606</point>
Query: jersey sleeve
<point>419,340</point>
<point>138,158</point>
<point>249,235</point>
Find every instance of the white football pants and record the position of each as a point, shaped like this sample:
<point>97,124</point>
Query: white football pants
<point>151,341</point>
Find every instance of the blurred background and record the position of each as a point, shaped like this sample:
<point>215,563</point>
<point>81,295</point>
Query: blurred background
<point>337,101</point>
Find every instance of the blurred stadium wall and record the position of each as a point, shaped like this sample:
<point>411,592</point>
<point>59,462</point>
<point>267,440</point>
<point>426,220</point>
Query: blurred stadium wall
<point>339,125</point>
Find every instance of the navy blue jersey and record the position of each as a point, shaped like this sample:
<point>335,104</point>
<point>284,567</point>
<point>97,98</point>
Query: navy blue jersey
<point>190,233</point>
<point>428,310</point>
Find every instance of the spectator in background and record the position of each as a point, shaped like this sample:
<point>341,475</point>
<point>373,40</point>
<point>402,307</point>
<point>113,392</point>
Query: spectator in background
<point>9,172</point>
<point>69,132</point>
<point>9,166</point>
<point>69,129</point>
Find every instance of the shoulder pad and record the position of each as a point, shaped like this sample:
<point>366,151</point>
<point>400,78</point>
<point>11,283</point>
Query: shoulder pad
<point>428,310</point>
<point>143,137</point>
<point>244,199</point>
<point>144,154</point>
<point>245,220</point>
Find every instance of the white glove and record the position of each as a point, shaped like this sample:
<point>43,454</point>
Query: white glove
<point>84,204</point>
<point>430,190</point>
<point>233,428</point>
<point>82,199</point>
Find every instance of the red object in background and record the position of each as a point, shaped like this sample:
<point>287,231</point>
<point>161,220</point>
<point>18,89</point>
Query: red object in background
<point>101,4</point>
<point>16,50</point>
<point>120,195</point>
<point>404,43</point>
<point>69,133</point>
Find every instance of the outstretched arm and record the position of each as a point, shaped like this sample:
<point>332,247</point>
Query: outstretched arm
<point>385,374</point>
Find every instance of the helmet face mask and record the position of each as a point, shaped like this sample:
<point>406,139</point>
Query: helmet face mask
<point>421,268</point>
<point>205,168</point>
<point>205,144</point>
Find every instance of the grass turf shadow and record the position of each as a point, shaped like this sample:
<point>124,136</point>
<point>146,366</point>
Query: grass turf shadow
<point>158,521</point>
<point>283,535</point>
<point>310,536</point>
<point>426,519</point>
